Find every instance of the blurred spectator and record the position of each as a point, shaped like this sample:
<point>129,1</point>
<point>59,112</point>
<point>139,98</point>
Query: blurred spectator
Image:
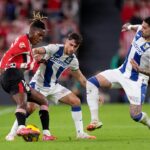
<point>143,9</point>
<point>66,26</point>
<point>37,5</point>
<point>2,46</point>
<point>10,10</point>
<point>2,9</point>
<point>13,34</point>
<point>70,9</point>
<point>128,10</point>
<point>54,9</point>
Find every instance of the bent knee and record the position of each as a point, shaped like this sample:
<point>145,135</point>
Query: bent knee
<point>75,102</point>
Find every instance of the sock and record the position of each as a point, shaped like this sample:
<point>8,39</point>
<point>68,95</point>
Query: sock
<point>44,116</point>
<point>46,132</point>
<point>14,128</point>
<point>93,99</point>
<point>77,117</point>
<point>145,119</point>
<point>21,118</point>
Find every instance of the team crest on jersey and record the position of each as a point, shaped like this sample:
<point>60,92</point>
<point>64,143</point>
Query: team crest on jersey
<point>68,60</point>
<point>145,46</point>
<point>22,45</point>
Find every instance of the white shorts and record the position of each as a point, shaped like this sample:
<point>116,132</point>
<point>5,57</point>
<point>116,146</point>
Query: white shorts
<point>135,90</point>
<point>53,94</point>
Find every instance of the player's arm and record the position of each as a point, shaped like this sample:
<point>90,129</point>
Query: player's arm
<point>139,69</point>
<point>128,27</point>
<point>39,50</point>
<point>77,74</point>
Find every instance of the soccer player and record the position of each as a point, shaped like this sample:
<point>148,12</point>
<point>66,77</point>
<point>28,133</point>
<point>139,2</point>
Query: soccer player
<point>58,58</point>
<point>18,58</point>
<point>133,82</point>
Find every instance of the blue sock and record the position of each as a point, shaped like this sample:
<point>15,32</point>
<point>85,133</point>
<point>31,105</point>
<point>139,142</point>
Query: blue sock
<point>137,118</point>
<point>77,108</point>
<point>94,81</point>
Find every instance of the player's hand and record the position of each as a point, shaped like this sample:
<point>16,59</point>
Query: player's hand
<point>38,57</point>
<point>134,65</point>
<point>125,27</point>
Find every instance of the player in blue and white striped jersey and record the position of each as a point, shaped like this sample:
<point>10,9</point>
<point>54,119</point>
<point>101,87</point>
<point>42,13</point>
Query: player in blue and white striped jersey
<point>57,58</point>
<point>133,82</point>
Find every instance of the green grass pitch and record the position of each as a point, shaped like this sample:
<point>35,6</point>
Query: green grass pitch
<point>119,132</point>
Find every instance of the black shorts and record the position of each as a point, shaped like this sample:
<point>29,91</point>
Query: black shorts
<point>12,81</point>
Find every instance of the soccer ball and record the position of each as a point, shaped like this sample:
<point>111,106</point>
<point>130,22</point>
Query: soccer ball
<point>32,137</point>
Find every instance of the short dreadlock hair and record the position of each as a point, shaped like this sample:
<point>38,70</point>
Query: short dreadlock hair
<point>37,20</point>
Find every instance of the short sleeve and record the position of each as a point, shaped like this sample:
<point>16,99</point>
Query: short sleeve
<point>51,48</point>
<point>74,64</point>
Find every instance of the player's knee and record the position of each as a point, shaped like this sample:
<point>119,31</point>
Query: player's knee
<point>136,117</point>
<point>31,107</point>
<point>75,102</point>
<point>22,105</point>
<point>94,81</point>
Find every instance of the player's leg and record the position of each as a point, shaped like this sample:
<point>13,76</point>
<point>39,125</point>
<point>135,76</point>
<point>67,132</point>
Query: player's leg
<point>13,132</point>
<point>139,116</point>
<point>136,94</point>
<point>42,101</point>
<point>93,96</point>
<point>72,100</point>
<point>12,81</point>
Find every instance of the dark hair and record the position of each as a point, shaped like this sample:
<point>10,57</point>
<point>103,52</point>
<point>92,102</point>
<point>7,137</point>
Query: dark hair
<point>37,20</point>
<point>147,20</point>
<point>75,36</point>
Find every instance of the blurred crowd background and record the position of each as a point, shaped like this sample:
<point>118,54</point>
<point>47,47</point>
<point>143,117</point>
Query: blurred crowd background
<point>99,21</point>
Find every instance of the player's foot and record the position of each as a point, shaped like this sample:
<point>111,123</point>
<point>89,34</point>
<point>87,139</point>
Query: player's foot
<point>48,138</point>
<point>94,125</point>
<point>10,137</point>
<point>85,136</point>
<point>26,131</point>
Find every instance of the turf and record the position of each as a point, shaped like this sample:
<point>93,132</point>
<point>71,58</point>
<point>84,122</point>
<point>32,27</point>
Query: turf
<point>118,133</point>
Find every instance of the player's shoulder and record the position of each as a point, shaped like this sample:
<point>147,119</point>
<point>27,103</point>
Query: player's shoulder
<point>22,41</point>
<point>54,47</point>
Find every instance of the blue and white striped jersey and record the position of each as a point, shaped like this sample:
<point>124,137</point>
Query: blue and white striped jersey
<point>140,52</point>
<point>47,75</point>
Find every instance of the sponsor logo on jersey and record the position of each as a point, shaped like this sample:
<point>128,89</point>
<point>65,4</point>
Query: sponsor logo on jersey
<point>58,61</point>
<point>22,45</point>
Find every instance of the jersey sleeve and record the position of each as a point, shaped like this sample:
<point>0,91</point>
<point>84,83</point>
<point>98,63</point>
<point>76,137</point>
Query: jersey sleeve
<point>74,64</point>
<point>51,48</point>
<point>18,47</point>
<point>139,28</point>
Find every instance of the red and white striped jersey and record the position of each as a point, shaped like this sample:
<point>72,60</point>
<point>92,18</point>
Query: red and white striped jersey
<point>19,55</point>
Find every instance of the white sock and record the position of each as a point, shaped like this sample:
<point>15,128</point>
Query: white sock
<point>20,127</point>
<point>46,132</point>
<point>93,100</point>
<point>14,128</point>
<point>77,117</point>
<point>145,119</point>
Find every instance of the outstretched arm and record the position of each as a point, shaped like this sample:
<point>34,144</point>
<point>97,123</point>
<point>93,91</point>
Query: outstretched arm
<point>128,27</point>
<point>39,50</point>
<point>139,69</point>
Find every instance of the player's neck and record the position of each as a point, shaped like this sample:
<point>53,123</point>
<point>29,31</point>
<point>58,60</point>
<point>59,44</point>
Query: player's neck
<point>147,39</point>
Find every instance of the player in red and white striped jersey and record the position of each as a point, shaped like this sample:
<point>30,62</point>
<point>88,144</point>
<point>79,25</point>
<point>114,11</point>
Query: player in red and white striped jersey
<point>17,59</point>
